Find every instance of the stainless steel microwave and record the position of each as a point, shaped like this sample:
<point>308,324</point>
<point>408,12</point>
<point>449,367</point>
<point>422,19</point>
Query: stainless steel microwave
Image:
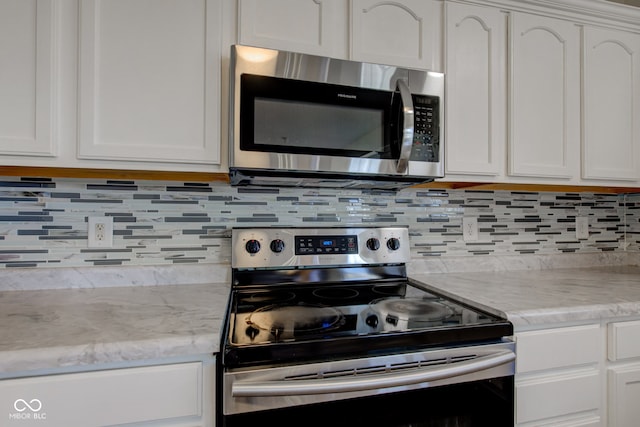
<point>303,120</point>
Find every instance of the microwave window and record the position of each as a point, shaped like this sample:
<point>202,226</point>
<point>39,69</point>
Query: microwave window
<point>310,125</point>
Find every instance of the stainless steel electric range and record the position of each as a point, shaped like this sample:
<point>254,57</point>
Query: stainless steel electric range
<point>324,324</point>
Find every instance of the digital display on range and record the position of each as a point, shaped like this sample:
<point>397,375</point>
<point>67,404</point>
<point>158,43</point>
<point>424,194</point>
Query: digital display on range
<point>326,245</point>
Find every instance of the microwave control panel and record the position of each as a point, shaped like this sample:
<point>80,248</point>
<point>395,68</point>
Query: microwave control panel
<point>426,131</point>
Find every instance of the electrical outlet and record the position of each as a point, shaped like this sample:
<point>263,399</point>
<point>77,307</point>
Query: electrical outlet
<point>470,229</point>
<point>582,227</point>
<point>100,233</point>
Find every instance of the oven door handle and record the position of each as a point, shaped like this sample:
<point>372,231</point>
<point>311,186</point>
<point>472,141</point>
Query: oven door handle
<point>368,382</point>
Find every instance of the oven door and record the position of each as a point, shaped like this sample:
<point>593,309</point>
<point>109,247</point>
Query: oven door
<point>466,386</point>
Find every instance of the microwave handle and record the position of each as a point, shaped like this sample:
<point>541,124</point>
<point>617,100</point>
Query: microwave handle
<point>407,126</point>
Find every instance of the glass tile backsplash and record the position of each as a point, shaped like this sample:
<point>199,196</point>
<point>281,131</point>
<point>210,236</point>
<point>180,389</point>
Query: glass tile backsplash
<point>43,222</point>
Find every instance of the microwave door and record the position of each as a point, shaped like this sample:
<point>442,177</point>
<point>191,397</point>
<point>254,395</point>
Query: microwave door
<point>407,127</point>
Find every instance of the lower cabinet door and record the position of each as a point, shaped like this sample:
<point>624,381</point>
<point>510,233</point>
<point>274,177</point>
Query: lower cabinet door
<point>548,396</point>
<point>103,398</point>
<point>624,395</point>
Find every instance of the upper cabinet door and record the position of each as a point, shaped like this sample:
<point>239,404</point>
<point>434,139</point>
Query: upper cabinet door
<point>476,87</point>
<point>544,97</point>
<point>403,33</point>
<point>149,80</point>
<point>611,104</point>
<point>27,77</point>
<point>316,27</point>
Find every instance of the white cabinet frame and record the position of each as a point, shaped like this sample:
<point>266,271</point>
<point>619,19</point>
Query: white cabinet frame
<point>137,101</point>
<point>29,77</point>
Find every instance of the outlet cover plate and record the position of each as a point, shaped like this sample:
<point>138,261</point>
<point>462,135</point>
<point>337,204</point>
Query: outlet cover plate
<point>100,232</point>
<point>582,227</point>
<point>470,229</point>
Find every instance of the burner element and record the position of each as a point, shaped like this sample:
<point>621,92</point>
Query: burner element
<point>335,293</point>
<point>268,296</point>
<point>389,290</point>
<point>412,309</point>
<point>286,321</point>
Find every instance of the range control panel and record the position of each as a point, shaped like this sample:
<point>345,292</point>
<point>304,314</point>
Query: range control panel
<point>317,245</point>
<point>290,247</point>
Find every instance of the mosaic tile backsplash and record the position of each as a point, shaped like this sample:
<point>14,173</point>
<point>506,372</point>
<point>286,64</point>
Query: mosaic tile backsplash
<point>43,222</point>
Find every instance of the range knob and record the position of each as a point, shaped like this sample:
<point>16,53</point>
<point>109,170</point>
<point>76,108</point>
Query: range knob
<point>373,244</point>
<point>252,332</point>
<point>277,245</point>
<point>252,246</point>
<point>372,320</point>
<point>393,244</point>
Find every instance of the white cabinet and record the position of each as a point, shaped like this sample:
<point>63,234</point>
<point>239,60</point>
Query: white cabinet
<point>572,98</point>
<point>167,395</point>
<point>111,84</point>
<point>28,77</point>
<point>624,395</point>
<point>404,33</point>
<point>558,376</point>
<point>624,341</point>
<point>611,104</point>
<point>316,27</point>
<point>544,97</point>
<point>476,90</point>
<point>555,396</point>
<point>139,84</point>
<point>149,81</point>
<point>623,374</point>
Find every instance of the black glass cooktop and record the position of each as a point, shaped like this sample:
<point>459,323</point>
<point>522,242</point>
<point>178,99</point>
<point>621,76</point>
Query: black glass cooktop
<point>286,324</point>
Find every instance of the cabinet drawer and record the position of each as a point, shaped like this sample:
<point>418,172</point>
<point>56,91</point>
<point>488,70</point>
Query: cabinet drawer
<point>623,340</point>
<point>101,398</point>
<point>553,396</point>
<point>557,348</point>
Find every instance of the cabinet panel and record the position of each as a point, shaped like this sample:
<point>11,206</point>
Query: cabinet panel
<point>544,97</point>
<point>149,80</point>
<point>624,395</point>
<point>105,397</point>
<point>476,85</point>
<point>623,340</point>
<point>27,77</point>
<point>611,104</point>
<point>316,27</point>
<point>557,348</point>
<point>557,395</point>
<point>403,33</point>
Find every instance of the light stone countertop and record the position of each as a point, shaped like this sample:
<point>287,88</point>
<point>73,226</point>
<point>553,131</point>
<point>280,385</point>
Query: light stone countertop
<point>58,328</point>
<point>60,319</point>
<point>538,297</point>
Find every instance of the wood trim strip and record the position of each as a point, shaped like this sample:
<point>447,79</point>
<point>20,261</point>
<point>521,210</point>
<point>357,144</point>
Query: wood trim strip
<point>124,174</point>
<point>531,187</point>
